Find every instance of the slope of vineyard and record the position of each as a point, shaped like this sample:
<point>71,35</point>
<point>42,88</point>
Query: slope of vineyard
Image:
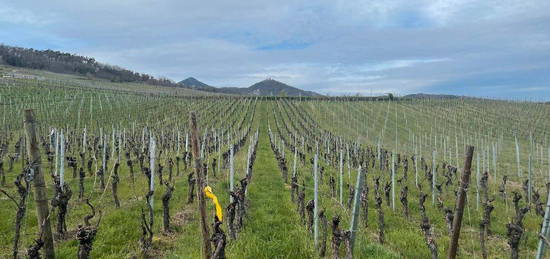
<point>24,77</point>
<point>113,135</point>
<point>336,127</point>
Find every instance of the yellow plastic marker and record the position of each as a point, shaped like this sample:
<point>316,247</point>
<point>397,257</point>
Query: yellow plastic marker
<point>208,192</point>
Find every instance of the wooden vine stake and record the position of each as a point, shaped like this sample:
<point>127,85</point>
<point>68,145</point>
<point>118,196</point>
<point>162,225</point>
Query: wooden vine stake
<point>231,173</point>
<point>61,160</point>
<point>462,192</point>
<point>152,156</point>
<point>416,156</point>
<point>40,194</point>
<point>517,155</point>
<point>341,175</point>
<point>356,206</point>
<point>315,202</point>
<point>201,184</point>
<point>478,183</point>
<point>434,176</point>
<point>529,180</point>
<point>393,181</point>
<point>544,233</point>
<point>295,157</point>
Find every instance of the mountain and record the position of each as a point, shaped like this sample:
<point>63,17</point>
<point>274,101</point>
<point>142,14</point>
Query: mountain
<point>268,87</point>
<point>193,83</point>
<point>274,87</point>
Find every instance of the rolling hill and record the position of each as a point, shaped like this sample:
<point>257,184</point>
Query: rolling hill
<point>274,87</point>
<point>76,65</point>
<point>267,87</point>
<point>193,83</point>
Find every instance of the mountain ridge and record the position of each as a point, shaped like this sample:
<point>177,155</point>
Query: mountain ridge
<point>193,83</point>
<point>267,87</point>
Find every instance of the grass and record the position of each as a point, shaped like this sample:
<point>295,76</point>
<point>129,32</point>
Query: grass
<point>272,228</point>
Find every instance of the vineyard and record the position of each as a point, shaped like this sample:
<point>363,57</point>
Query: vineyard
<point>155,172</point>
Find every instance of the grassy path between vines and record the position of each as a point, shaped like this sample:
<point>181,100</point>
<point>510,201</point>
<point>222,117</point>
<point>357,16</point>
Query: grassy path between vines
<point>272,228</point>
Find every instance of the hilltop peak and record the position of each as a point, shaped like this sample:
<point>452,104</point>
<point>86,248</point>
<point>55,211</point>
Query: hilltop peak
<point>193,83</point>
<point>266,87</point>
<point>271,86</point>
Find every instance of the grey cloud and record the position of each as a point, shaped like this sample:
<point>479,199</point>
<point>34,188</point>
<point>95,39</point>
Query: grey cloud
<point>352,46</point>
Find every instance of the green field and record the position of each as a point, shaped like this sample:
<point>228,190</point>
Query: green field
<point>124,116</point>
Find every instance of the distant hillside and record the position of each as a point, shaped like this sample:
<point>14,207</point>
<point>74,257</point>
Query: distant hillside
<point>268,87</point>
<point>193,83</point>
<point>16,75</point>
<point>274,87</point>
<point>67,63</point>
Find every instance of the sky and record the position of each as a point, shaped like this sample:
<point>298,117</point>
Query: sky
<point>485,48</point>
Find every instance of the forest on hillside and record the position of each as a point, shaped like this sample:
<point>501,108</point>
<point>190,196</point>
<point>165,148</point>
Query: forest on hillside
<point>67,63</point>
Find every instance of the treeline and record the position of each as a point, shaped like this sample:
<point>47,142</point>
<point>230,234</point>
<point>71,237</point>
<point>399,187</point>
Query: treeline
<point>61,62</point>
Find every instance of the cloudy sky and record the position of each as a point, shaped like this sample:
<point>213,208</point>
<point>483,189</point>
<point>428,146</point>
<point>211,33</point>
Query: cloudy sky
<point>489,48</point>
